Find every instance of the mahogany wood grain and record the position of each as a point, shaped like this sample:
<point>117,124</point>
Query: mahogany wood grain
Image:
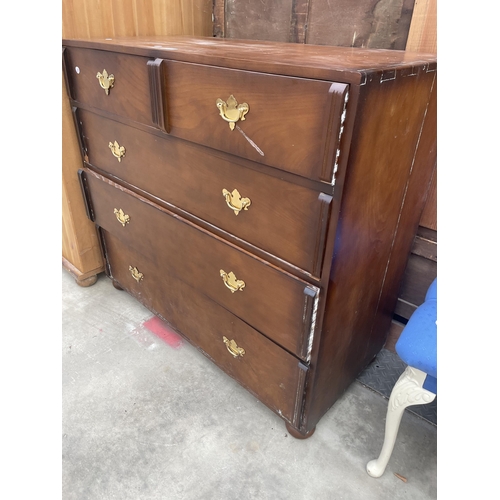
<point>372,209</point>
<point>315,185</point>
<point>272,302</point>
<point>373,238</point>
<point>130,94</point>
<point>286,125</point>
<point>157,94</point>
<point>285,219</point>
<point>265,369</point>
<point>307,61</point>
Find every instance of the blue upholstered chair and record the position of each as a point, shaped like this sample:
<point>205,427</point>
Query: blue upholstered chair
<point>417,347</point>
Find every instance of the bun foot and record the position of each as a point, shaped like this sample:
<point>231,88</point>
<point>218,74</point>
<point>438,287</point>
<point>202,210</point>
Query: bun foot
<point>89,281</point>
<point>298,435</point>
<point>116,285</point>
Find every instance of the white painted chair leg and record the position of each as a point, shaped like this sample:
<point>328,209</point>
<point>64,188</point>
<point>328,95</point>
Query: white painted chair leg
<point>407,391</point>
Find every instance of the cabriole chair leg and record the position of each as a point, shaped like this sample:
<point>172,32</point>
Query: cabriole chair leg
<point>407,391</point>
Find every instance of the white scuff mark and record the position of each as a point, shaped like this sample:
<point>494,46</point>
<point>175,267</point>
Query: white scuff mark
<point>337,153</point>
<point>313,326</point>
<point>250,141</point>
<point>353,38</point>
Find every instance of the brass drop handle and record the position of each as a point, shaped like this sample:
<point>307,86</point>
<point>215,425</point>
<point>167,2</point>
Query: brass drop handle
<point>122,217</point>
<point>136,274</point>
<point>117,150</point>
<point>105,81</point>
<point>232,282</point>
<point>233,348</point>
<point>235,202</point>
<point>231,111</point>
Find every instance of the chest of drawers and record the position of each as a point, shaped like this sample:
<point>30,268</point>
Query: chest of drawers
<point>261,198</point>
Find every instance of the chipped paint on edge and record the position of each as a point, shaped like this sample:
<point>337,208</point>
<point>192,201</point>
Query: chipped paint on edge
<point>313,326</point>
<point>337,153</point>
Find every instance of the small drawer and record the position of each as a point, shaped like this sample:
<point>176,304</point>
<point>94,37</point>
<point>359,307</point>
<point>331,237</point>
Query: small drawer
<point>269,372</point>
<point>125,82</point>
<point>282,218</point>
<point>275,303</point>
<point>289,123</point>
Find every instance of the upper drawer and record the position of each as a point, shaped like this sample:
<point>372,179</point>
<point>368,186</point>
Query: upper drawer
<point>289,123</point>
<point>128,95</point>
<point>275,303</point>
<point>282,218</point>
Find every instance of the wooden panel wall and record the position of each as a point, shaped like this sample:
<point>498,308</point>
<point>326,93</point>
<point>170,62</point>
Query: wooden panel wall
<point>382,24</point>
<point>109,18</point>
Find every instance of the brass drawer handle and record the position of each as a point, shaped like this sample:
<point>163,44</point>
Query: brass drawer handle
<point>233,348</point>
<point>106,81</point>
<point>122,217</point>
<point>117,150</point>
<point>136,274</point>
<point>231,281</point>
<point>235,202</point>
<point>231,111</point>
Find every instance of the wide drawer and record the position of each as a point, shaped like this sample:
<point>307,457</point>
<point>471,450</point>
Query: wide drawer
<point>289,123</point>
<point>282,218</point>
<point>273,375</point>
<point>281,306</point>
<point>129,95</point>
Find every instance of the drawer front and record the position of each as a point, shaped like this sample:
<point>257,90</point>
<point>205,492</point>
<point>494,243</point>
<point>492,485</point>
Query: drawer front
<point>129,95</point>
<point>277,304</point>
<point>273,375</point>
<point>289,123</point>
<point>284,219</point>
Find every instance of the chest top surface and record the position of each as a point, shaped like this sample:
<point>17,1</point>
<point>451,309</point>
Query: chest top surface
<point>347,64</point>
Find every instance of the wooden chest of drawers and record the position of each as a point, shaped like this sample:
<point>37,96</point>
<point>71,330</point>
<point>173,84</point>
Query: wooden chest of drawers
<point>262,198</point>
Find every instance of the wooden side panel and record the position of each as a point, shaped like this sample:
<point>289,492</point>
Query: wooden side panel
<point>371,237</point>
<point>109,18</point>
<point>80,248</point>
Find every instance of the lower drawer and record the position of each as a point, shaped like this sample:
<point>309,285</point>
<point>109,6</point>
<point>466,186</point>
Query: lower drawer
<point>269,372</point>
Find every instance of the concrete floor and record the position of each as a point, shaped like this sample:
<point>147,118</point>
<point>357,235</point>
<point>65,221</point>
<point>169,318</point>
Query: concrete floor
<point>145,418</point>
